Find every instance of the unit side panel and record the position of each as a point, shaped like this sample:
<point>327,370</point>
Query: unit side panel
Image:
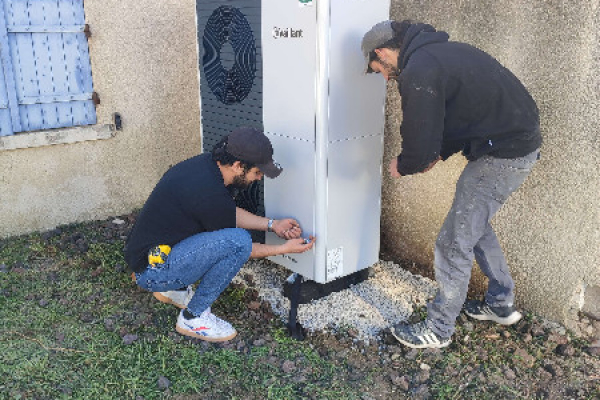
<point>356,104</point>
<point>289,68</point>
<point>292,195</point>
<point>353,209</point>
<point>230,64</point>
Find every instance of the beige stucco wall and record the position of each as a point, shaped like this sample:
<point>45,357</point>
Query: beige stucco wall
<point>143,56</point>
<point>549,229</point>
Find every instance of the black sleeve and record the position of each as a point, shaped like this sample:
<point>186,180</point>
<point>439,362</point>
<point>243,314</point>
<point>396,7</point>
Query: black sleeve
<point>450,148</point>
<point>422,91</point>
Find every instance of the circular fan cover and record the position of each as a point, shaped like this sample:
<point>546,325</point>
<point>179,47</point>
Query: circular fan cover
<point>229,25</point>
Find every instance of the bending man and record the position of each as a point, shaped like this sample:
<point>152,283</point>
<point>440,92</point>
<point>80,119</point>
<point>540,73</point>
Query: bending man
<point>458,98</point>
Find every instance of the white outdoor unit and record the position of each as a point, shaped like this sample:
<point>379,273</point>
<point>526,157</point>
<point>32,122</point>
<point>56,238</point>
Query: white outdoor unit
<point>294,68</point>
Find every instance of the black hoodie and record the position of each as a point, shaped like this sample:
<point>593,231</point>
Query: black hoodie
<point>456,97</point>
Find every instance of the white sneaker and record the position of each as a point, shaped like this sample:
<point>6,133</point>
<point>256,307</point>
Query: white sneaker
<point>207,327</point>
<point>179,298</point>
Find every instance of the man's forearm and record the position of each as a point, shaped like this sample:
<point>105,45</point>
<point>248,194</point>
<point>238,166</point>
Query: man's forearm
<point>295,245</point>
<point>260,250</point>
<point>247,220</point>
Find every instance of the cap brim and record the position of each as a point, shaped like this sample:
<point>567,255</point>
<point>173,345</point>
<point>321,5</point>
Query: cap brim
<point>271,170</point>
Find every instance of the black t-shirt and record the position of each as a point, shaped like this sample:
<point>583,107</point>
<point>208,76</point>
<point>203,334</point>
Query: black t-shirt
<point>190,198</point>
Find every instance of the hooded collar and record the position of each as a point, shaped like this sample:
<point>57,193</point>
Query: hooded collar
<point>417,36</point>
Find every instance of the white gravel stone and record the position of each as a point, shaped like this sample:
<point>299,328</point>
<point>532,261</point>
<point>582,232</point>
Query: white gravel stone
<point>389,296</point>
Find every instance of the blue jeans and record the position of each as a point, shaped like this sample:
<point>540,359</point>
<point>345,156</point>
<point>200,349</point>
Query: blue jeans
<point>483,187</point>
<point>213,258</point>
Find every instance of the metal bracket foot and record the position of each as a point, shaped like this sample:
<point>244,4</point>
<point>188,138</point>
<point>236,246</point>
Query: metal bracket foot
<point>295,330</point>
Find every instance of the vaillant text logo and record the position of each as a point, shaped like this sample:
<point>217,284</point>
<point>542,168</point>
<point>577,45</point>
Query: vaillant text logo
<point>286,33</point>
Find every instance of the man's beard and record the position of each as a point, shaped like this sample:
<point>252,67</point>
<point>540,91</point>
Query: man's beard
<point>240,182</point>
<point>392,71</point>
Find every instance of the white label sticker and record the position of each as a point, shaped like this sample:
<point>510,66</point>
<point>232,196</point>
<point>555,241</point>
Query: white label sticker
<point>335,263</point>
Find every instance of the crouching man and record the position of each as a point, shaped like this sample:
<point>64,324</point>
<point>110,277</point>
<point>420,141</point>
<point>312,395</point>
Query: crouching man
<point>190,230</point>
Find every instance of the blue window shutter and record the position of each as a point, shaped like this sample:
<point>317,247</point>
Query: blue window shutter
<point>9,111</point>
<point>51,71</point>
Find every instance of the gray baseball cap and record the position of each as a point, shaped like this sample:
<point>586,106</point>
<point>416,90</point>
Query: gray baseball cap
<point>378,35</point>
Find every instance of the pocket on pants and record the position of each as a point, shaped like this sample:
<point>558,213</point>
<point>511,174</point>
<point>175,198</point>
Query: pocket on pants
<point>510,174</point>
<point>158,280</point>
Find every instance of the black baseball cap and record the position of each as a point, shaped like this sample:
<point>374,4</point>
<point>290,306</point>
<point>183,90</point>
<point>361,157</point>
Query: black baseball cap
<point>251,145</point>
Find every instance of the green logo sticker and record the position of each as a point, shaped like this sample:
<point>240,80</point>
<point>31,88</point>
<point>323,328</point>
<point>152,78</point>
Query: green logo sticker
<point>306,3</point>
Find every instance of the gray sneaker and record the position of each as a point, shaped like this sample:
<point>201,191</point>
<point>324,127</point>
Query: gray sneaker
<point>484,312</point>
<point>419,336</point>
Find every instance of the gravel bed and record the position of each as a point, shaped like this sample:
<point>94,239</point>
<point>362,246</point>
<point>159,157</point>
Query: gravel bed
<point>390,295</point>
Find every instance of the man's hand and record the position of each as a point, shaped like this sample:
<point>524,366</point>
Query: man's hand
<point>431,165</point>
<point>298,245</point>
<point>287,228</point>
<point>394,168</point>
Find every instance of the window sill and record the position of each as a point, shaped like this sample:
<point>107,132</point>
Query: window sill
<point>51,137</point>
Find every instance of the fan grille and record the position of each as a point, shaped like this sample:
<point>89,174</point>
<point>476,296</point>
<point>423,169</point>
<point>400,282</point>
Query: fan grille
<point>228,25</point>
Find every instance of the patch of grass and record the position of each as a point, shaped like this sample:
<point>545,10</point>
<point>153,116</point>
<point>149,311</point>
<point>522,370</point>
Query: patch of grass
<point>63,317</point>
<point>281,392</point>
<point>421,312</point>
<point>281,335</point>
<point>445,391</point>
<point>106,254</point>
<point>18,249</point>
<point>231,301</point>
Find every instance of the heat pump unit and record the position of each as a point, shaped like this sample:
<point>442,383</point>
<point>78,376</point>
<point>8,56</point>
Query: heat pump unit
<point>294,68</point>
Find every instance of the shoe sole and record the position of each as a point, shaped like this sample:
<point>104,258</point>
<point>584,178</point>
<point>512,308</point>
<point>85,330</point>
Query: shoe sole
<point>164,299</point>
<point>424,345</point>
<point>510,320</point>
<point>187,332</point>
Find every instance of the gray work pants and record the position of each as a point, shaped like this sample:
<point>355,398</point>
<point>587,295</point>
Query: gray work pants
<point>484,185</point>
